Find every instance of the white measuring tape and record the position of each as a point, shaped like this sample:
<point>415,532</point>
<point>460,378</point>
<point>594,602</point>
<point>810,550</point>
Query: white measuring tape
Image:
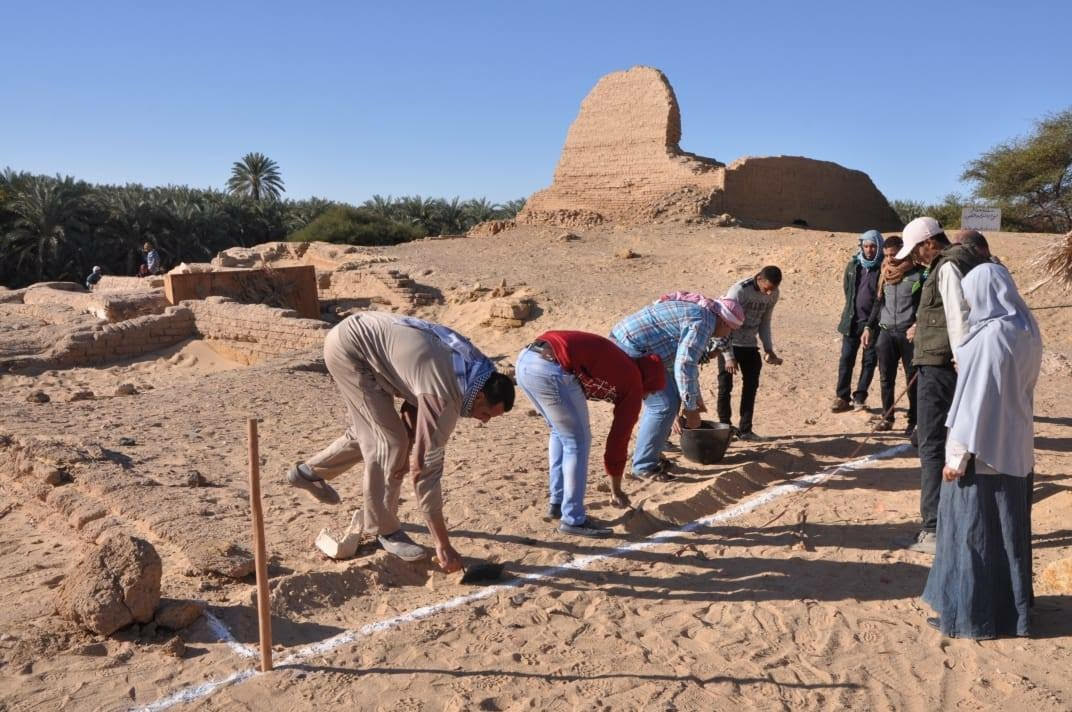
<point>189,694</point>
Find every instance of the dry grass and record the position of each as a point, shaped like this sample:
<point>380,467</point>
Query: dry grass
<point>1056,262</point>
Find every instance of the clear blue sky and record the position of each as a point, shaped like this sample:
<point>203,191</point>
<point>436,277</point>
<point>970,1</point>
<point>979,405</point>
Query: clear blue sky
<point>475,98</point>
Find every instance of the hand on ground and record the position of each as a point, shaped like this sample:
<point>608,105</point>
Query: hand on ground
<point>449,560</point>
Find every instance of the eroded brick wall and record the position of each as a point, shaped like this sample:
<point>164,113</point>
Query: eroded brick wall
<point>250,333</point>
<point>621,154</point>
<point>622,163</point>
<point>92,345</point>
<point>783,189</point>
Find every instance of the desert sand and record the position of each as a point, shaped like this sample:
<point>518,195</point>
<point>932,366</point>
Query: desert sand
<point>801,600</point>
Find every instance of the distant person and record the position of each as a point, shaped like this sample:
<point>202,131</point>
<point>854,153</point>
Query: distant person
<point>152,261</point>
<point>440,376</point>
<point>977,243</point>
<point>899,289</point>
<point>941,323</point>
<point>676,328</point>
<point>860,286</point>
<point>981,581</point>
<point>757,295</point>
<point>94,277</point>
<point>560,372</point>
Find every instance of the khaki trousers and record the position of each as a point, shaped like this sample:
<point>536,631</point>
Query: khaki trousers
<point>375,434</point>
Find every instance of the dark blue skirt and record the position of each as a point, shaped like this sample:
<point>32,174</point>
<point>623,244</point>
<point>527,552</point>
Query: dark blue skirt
<point>980,583</point>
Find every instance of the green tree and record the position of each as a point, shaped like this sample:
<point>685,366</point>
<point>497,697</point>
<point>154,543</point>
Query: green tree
<point>480,209</point>
<point>511,208</point>
<point>48,221</point>
<point>1030,178</point>
<point>256,176</point>
<point>345,224</point>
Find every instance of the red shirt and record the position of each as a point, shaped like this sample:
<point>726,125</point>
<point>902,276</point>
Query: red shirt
<point>605,372</point>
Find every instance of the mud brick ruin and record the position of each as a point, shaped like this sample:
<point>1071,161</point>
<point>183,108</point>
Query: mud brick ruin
<point>622,163</point>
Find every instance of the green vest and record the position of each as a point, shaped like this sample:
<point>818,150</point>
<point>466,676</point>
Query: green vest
<point>932,338</point>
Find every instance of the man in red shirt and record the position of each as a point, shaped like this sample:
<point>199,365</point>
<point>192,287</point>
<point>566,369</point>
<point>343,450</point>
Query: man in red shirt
<point>559,372</point>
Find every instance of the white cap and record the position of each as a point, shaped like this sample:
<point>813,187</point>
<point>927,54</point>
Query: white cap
<point>915,232</point>
<point>96,269</point>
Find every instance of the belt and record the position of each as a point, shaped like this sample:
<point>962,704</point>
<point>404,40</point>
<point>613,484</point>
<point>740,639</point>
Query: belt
<point>543,350</point>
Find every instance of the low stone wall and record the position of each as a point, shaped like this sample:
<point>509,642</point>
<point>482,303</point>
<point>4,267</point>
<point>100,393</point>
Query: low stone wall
<point>108,305</point>
<point>112,283</point>
<point>250,333</point>
<point>92,345</point>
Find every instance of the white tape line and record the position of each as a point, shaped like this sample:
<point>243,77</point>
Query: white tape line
<point>226,636</point>
<point>583,562</point>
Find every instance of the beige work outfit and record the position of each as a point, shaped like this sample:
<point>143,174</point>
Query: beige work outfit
<point>373,358</point>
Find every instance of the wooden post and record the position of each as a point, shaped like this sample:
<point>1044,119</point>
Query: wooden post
<point>260,558</point>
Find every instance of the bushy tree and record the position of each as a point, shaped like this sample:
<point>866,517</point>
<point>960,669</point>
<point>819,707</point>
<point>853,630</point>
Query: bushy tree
<point>345,224</point>
<point>1030,178</point>
<point>947,212</point>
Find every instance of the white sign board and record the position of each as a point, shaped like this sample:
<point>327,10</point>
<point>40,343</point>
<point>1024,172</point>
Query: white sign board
<point>976,218</point>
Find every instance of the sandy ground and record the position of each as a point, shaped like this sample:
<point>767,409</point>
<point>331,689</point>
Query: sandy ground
<point>757,611</point>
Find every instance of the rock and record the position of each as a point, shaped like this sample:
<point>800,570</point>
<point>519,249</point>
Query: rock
<point>532,413</point>
<point>195,479</point>
<point>38,397</point>
<point>626,254</point>
<point>127,441</point>
<point>126,389</point>
<point>568,237</point>
<point>216,556</point>
<point>50,475</point>
<point>175,648</point>
<point>148,631</point>
<point>725,220</point>
<point>112,586</point>
<point>91,649</point>
<point>1057,576</point>
<point>81,396</point>
<point>179,614</point>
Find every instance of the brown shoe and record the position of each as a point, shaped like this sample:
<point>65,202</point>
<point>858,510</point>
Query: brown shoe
<point>840,406</point>
<point>884,426</point>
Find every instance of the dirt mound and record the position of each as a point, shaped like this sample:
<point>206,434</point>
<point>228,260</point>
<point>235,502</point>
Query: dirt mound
<point>114,585</point>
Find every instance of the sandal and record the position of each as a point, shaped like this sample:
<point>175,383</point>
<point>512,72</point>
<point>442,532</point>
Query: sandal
<point>316,486</point>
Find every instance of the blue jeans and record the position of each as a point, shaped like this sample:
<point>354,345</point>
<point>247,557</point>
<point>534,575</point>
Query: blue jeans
<point>560,399</point>
<point>660,409</point>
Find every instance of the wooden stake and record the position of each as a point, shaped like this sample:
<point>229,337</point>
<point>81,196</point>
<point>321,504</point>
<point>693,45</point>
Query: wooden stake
<point>260,558</point>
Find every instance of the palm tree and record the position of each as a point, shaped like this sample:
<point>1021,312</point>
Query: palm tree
<point>256,176</point>
<point>49,217</point>
<point>511,208</point>
<point>384,207</point>
<point>480,209</point>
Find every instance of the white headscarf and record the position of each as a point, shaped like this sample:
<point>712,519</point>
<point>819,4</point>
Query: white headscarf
<point>997,368</point>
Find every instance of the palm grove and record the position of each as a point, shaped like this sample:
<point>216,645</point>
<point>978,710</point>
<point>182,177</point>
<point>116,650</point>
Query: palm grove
<point>57,227</point>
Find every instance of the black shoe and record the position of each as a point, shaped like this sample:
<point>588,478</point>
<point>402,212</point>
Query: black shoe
<point>913,438</point>
<point>884,426</point>
<point>935,622</point>
<point>586,528</point>
<point>554,510</point>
